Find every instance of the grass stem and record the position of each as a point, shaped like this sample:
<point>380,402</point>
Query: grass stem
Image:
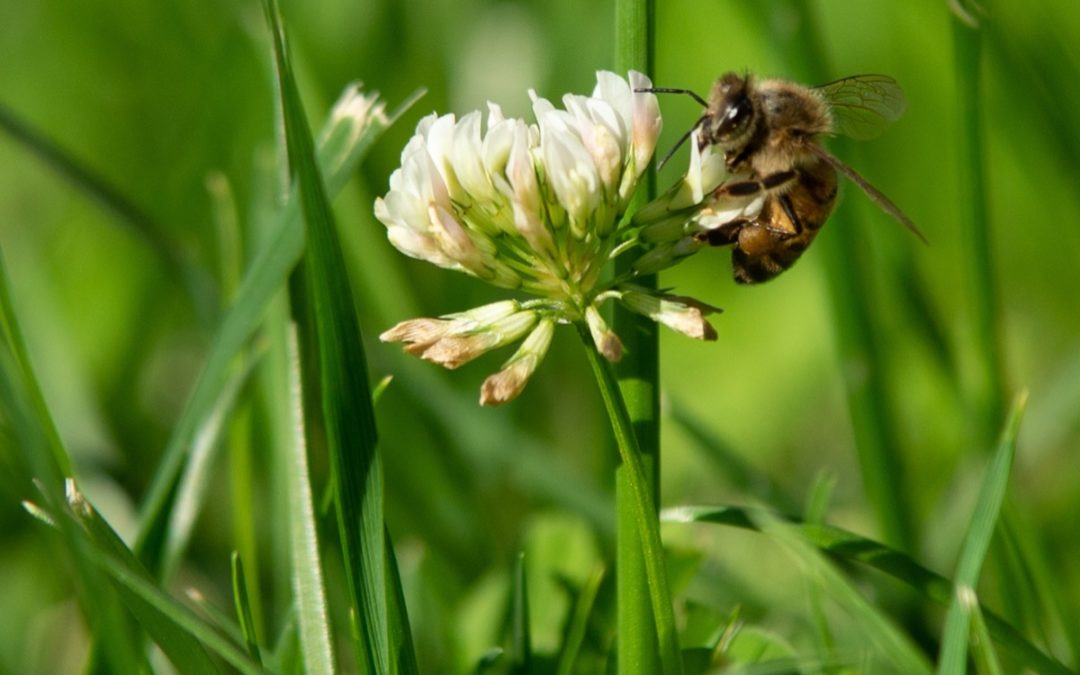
<point>639,505</point>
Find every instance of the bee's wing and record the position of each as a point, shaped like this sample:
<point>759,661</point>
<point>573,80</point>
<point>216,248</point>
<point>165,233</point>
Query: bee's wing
<point>863,105</point>
<point>872,192</point>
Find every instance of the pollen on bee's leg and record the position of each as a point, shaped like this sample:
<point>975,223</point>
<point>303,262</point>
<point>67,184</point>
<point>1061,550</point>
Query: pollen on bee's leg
<point>755,240</point>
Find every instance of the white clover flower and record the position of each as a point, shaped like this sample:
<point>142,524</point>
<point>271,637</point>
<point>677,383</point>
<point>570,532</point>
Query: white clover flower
<point>534,207</point>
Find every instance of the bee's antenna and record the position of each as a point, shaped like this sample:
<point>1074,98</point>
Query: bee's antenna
<point>668,90</point>
<point>678,144</point>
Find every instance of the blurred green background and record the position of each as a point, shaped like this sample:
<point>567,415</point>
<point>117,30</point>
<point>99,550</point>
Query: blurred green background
<point>155,97</point>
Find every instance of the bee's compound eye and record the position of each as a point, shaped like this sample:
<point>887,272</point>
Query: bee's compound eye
<point>736,117</point>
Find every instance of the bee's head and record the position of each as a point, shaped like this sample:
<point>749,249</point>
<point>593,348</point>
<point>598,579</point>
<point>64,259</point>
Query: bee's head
<point>729,117</point>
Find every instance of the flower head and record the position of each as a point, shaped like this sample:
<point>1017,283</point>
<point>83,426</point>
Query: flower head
<point>536,207</point>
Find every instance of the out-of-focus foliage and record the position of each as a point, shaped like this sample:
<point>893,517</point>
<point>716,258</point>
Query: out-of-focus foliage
<point>154,97</point>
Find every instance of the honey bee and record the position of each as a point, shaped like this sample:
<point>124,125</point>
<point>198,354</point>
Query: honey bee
<point>769,132</point>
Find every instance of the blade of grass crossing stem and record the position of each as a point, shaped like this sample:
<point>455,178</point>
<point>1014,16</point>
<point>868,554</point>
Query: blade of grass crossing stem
<point>346,397</point>
<point>638,375</point>
<point>344,140</point>
<point>851,547</point>
<point>315,633</point>
<point>986,659</point>
<point>520,639</point>
<point>243,608</point>
<point>641,505</point>
<point>954,646</point>
<point>888,641</point>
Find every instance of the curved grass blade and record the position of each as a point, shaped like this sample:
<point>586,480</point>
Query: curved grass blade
<point>954,646</point>
<point>847,546</point>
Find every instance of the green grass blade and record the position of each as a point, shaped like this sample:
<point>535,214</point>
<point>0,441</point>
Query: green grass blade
<point>520,635</point>
<point>347,412</point>
<point>954,646</point>
<point>344,140</point>
<point>243,608</point>
<point>579,623</point>
<point>845,545</point>
<point>402,650</point>
<point>315,632</point>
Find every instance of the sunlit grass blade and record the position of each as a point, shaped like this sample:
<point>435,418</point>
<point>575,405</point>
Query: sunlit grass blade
<point>309,589</point>
<point>520,634</point>
<point>579,623</point>
<point>954,646</point>
<point>344,139</point>
<point>346,406</point>
<point>243,608</point>
<point>845,545</point>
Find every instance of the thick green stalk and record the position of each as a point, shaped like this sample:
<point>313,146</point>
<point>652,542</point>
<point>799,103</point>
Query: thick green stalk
<point>639,503</point>
<point>638,376</point>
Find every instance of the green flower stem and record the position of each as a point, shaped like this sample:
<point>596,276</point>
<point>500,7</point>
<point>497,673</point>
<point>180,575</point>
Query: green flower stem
<point>638,375</point>
<point>639,506</point>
